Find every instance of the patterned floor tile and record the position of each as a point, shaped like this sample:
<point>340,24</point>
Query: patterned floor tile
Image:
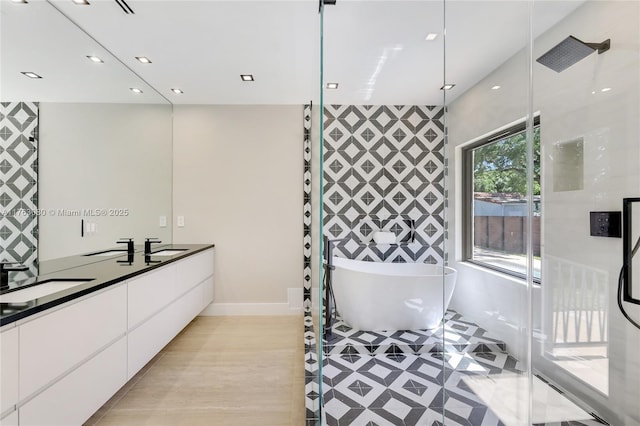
<point>362,418</point>
<point>412,389</point>
<point>359,389</point>
<point>410,378</point>
<point>457,334</point>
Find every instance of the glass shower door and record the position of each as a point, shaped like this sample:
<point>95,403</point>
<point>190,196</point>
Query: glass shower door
<point>586,79</point>
<point>492,200</point>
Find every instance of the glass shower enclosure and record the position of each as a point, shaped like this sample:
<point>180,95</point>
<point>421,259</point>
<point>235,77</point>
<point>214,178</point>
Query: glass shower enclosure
<point>498,139</point>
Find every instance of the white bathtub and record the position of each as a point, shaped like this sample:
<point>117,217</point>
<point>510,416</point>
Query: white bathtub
<point>375,296</point>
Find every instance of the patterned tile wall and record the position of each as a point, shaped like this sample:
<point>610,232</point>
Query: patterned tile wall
<point>384,169</point>
<point>306,250</point>
<point>18,182</point>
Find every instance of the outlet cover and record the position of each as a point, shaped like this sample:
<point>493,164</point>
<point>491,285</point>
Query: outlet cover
<point>180,221</point>
<point>163,221</point>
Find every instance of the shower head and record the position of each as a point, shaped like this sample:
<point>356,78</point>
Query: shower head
<point>570,51</point>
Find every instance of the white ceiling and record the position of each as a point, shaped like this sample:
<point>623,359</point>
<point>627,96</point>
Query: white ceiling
<point>375,50</point>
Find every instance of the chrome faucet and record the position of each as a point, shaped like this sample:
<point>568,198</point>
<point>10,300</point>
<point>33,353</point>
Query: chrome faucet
<point>5,268</point>
<point>129,243</point>
<point>147,244</point>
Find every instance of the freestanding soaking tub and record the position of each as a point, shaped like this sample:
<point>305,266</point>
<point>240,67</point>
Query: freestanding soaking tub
<point>375,296</point>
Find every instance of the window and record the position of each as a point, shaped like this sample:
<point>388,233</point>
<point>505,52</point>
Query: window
<point>495,201</point>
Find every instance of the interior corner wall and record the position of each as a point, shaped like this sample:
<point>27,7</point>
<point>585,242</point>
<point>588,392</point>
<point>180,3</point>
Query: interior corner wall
<point>238,184</point>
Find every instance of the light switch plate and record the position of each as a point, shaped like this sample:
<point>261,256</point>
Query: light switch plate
<point>163,221</point>
<point>180,221</point>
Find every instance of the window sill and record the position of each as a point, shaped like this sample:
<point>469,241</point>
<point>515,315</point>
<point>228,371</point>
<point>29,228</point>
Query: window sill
<point>502,273</point>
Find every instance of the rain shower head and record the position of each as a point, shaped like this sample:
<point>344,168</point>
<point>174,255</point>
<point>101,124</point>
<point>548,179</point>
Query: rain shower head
<point>570,51</point>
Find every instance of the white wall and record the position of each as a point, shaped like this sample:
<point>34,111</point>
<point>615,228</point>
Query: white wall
<point>238,184</point>
<point>103,156</point>
<point>608,122</point>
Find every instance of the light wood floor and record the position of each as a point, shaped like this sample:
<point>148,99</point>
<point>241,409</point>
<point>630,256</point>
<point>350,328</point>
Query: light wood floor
<point>219,371</point>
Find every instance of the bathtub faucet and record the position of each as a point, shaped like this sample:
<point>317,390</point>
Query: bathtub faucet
<point>329,300</point>
<point>328,249</point>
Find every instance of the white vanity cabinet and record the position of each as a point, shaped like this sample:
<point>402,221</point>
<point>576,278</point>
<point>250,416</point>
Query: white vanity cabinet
<point>61,365</point>
<point>163,302</point>
<point>9,362</point>
<point>10,420</point>
<point>57,342</point>
<point>73,359</point>
<point>80,393</point>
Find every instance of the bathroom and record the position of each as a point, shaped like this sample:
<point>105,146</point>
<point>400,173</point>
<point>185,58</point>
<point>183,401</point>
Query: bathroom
<point>344,121</point>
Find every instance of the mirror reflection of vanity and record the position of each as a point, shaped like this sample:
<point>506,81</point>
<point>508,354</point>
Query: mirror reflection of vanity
<point>85,160</point>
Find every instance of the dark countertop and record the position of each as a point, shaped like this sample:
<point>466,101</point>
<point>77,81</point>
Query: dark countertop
<point>103,272</point>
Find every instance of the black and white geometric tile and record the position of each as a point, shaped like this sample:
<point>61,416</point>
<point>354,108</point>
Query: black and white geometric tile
<point>306,211</point>
<point>416,377</point>
<point>405,389</point>
<point>311,372</point>
<point>457,334</point>
<point>384,169</point>
<point>416,389</point>
<point>19,182</point>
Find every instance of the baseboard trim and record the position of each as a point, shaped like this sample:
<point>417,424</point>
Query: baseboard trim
<point>242,309</point>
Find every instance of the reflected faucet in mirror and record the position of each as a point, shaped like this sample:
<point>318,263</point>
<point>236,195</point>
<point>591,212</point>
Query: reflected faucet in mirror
<point>129,243</point>
<point>148,261</point>
<point>129,261</point>
<point>5,268</point>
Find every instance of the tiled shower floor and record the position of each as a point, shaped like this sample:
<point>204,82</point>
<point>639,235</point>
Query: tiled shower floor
<point>460,335</point>
<point>405,378</point>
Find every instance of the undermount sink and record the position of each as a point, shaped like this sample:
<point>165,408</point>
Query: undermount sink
<point>168,252</point>
<point>41,289</point>
<point>107,253</point>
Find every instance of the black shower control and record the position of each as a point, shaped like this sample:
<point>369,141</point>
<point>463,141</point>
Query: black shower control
<point>606,224</point>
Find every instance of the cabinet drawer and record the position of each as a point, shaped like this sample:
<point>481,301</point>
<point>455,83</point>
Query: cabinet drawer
<point>9,367</point>
<point>75,398</point>
<point>194,269</point>
<point>147,340</point>
<point>149,293</point>
<point>53,344</point>
<point>207,292</point>
<point>10,420</point>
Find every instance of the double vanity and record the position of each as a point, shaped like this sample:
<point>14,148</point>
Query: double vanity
<point>70,339</point>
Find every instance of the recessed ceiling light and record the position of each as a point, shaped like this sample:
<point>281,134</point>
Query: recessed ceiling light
<point>332,85</point>
<point>496,87</point>
<point>593,92</point>
<point>606,89</point>
<point>31,74</point>
<point>177,91</point>
<point>431,36</point>
<point>143,59</point>
<point>85,2</point>
<point>95,59</point>
<point>135,90</point>
<point>447,87</point>
<point>247,77</point>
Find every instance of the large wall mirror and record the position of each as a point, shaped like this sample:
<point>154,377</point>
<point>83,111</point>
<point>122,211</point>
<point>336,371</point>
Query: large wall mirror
<point>86,144</point>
